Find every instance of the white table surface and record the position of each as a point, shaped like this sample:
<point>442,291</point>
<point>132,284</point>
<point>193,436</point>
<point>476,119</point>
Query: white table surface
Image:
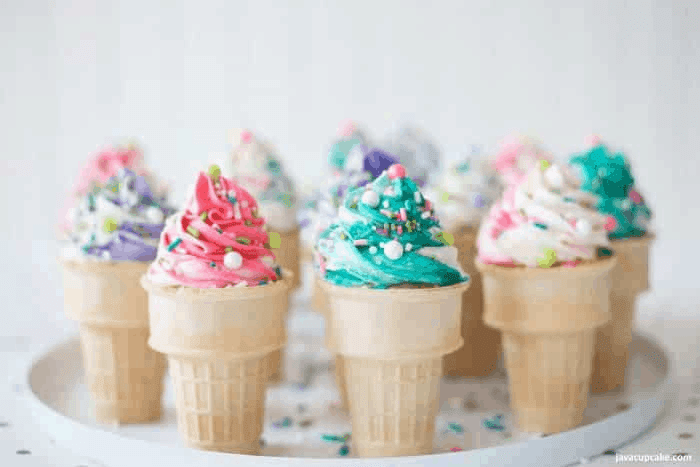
<point>23,443</point>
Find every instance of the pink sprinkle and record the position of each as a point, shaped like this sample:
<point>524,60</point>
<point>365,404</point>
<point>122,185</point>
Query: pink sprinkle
<point>455,449</point>
<point>428,205</point>
<point>570,264</point>
<point>635,196</point>
<point>386,213</point>
<point>399,229</point>
<point>402,214</point>
<point>610,224</point>
<point>396,171</point>
<point>360,242</point>
<point>593,140</point>
<point>246,136</point>
<point>346,128</point>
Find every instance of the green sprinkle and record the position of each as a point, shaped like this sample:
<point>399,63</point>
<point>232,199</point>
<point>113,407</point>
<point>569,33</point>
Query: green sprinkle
<point>568,200</point>
<point>212,264</point>
<point>275,240</point>
<point>192,231</point>
<point>248,223</point>
<point>540,226</point>
<point>214,172</point>
<point>344,450</point>
<point>243,240</point>
<point>110,225</point>
<point>203,215</point>
<point>228,249</point>
<point>174,244</point>
<point>544,164</point>
<point>455,427</point>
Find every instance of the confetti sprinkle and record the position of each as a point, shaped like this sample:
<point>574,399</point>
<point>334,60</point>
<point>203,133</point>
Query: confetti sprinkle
<point>109,225</point>
<point>610,452</point>
<point>635,196</point>
<point>444,197</point>
<point>494,423</point>
<point>275,240</point>
<point>283,423</point>
<point>305,423</point>
<point>456,449</point>
<point>174,244</point>
<point>360,242</point>
<point>455,427</point>
<point>344,450</point>
<point>446,238</point>
<point>550,257</point>
<point>544,164</point>
<point>610,223</point>
<point>243,240</point>
<point>540,226</point>
<point>203,215</point>
<point>192,231</point>
<point>214,172</point>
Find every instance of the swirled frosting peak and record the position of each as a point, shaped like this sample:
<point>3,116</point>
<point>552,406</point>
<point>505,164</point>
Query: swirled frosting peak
<point>386,234</point>
<point>517,156</point>
<point>217,240</point>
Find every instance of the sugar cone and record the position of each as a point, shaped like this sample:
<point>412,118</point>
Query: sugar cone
<point>124,376</point>
<point>482,345</point>
<point>288,254</point>
<point>548,319</point>
<point>319,301</point>
<point>392,342</point>
<point>218,343</point>
<point>629,278</point>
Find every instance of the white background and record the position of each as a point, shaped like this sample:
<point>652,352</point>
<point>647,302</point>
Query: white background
<point>177,75</point>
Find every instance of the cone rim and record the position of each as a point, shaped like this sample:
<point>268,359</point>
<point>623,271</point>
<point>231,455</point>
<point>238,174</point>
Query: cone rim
<point>601,264</point>
<point>423,293</point>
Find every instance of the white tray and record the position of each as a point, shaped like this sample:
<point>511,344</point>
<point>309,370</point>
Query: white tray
<point>59,400</point>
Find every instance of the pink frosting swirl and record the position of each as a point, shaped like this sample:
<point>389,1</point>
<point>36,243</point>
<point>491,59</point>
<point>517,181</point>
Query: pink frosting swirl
<point>517,156</point>
<point>106,164</point>
<point>217,241</point>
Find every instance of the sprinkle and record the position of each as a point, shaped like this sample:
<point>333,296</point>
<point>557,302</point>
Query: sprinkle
<point>248,223</point>
<point>174,244</point>
<point>456,449</point>
<point>212,264</point>
<point>109,225</point>
<point>417,197</point>
<point>494,423</point>
<point>455,428</point>
<point>243,240</point>
<point>387,213</point>
<point>203,216</point>
<point>386,227</point>
<point>370,198</point>
<point>396,171</point>
<point>228,249</point>
<point>275,240</point>
<point>192,231</point>
<point>402,215</point>
<point>540,226</point>
<point>399,229</point>
<point>446,238</point>
<point>360,242</point>
<point>332,438</point>
<point>409,247</point>
<point>214,172</point>
<point>444,197</point>
<point>283,423</point>
<point>385,203</point>
<point>373,250</point>
<point>550,257</point>
<point>635,196</point>
<point>344,450</point>
<point>544,164</point>
<point>408,204</point>
<point>305,423</point>
<point>568,200</point>
<point>610,223</point>
<point>425,215</point>
<point>428,205</point>
<point>231,199</point>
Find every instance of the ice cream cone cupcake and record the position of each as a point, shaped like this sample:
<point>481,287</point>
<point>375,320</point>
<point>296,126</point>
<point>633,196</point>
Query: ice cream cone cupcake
<point>255,166</point>
<point>546,288</point>
<point>395,290</point>
<point>462,197</point>
<point>112,233</point>
<point>608,176</point>
<point>217,303</point>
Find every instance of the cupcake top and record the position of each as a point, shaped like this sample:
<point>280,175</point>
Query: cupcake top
<point>464,193</point>
<point>347,152</point>
<point>386,234</point>
<point>607,174</point>
<point>545,221</point>
<point>322,207</point>
<point>415,150</point>
<point>517,156</point>
<point>217,240</point>
<point>119,219</point>
<point>254,165</point>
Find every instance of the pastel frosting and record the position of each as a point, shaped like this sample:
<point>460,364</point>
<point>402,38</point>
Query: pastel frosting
<point>415,150</point>
<point>465,192</point>
<point>517,156</point>
<point>217,240</point>
<point>120,220</point>
<point>386,234</point>
<point>256,167</point>
<point>607,174</point>
<point>544,221</point>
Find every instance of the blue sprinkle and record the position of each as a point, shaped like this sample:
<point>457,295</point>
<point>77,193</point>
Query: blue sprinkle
<point>344,450</point>
<point>494,423</point>
<point>540,226</point>
<point>232,199</point>
<point>568,200</point>
<point>174,244</point>
<point>284,423</point>
<point>455,427</point>
<point>212,264</point>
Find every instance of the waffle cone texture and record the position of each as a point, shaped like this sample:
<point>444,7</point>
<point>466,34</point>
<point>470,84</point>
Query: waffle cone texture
<point>123,374</point>
<point>548,320</point>
<point>482,345</point>
<point>392,343</point>
<point>218,343</point>
<point>630,277</point>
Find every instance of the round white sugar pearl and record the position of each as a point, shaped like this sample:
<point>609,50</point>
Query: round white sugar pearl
<point>373,250</point>
<point>409,246</point>
<point>154,215</point>
<point>393,250</point>
<point>370,198</point>
<point>554,177</point>
<point>233,260</point>
<point>386,203</point>
<point>583,227</point>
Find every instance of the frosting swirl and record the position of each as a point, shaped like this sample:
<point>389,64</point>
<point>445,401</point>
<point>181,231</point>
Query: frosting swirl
<point>517,156</point>
<point>120,220</point>
<point>465,192</point>
<point>544,221</point>
<point>218,240</point>
<point>608,175</point>
<point>386,234</point>
<point>255,166</point>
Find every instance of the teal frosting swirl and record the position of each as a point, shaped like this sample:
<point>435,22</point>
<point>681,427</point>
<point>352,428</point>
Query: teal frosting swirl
<point>387,234</point>
<point>608,176</point>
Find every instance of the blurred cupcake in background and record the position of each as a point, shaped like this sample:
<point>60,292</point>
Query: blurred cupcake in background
<point>416,151</point>
<point>462,196</point>
<point>607,174</point>
<point>347,150</point>
<point>516,156</point>
<point>254,164</point>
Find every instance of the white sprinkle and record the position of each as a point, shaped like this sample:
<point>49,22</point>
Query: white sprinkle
<point>373,250</point>
<point>425,214</point>
<point>370,198</point>
<point>154,215</point>
<point>583,227</point>
<point>417,197</point>
<point>554,177</point>
<point>233,260</point>
<point>106,255</point>
<point>393,250</point>
<point>386,203</point>
<point>409,247</point>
